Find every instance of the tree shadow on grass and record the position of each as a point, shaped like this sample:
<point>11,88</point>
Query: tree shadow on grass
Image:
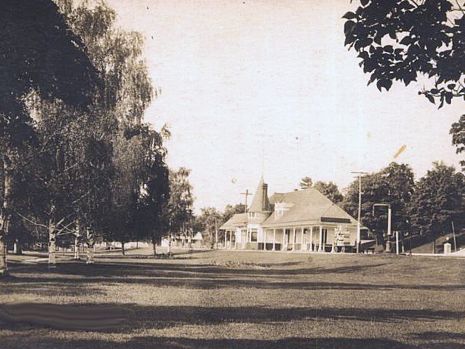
<point>138,268</point>
<point>440,335</point>
<point>136,317</point>
<point>197,280</point>
<point>195,343</point>
<point>441,339</point>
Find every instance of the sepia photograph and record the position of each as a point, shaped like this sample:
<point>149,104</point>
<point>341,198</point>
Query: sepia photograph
<point>244,174</point>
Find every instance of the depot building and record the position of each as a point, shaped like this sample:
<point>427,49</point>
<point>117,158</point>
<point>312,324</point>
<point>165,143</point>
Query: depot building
<point>301,220</point>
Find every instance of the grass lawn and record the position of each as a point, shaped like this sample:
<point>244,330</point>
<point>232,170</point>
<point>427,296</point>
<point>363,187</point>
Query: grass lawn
<point>226,299</point>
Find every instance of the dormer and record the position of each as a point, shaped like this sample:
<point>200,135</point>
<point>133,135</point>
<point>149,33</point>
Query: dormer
<point>280,208</point>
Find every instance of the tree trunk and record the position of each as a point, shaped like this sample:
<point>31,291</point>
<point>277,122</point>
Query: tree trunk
<point>76,247</point>
<point>5,214</point>
<point>76,240</point>
<point>154,244</point>
<point>17,250</point>
<point>90,247</point>
<point>122,248</point>
<point>90,254</point>
<point>3,263</point>
<point>52,245</point>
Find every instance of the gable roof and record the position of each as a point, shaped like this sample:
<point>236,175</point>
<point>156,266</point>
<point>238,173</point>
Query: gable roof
<point>260,202</point>
<point>236,220</point>
<point>305,207</point>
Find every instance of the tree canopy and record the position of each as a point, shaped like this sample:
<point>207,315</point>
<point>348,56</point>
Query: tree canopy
<point>438,201</point>
<point>306,183</point>
<point>41,54</point>
<point>404,40</point>
<point>77,155</point>
<point>330,190</point>
<point>394,185</point>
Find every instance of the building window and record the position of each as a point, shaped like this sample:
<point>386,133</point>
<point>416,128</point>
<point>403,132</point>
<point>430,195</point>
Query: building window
<point>253,235</point>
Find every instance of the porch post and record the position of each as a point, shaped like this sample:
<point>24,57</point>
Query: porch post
<point>302,239</point>
<point>284,238</point>
<point>264,239</point>
<point>311,238</point>
<point>230,239</point>
<point>274,239</point>
<point>320,248</point>
<point>293,239</point>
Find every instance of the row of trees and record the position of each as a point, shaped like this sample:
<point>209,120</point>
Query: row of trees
<point>427,207</point>
<point>78,161</point>
<point>210,219</point>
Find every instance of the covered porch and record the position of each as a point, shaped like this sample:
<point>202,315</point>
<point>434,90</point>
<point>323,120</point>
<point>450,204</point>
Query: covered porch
<point>312,238</point>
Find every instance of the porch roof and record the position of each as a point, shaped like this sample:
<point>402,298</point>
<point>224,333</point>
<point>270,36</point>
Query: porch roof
<point>239,219</point>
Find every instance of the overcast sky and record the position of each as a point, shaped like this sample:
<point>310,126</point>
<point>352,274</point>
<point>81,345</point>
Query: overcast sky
<point>252,85</point>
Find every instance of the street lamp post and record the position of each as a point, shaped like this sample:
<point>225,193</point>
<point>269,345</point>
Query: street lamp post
<point>359,174</point>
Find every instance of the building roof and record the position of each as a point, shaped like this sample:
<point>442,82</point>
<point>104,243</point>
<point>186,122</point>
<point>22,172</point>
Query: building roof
<point>236,220</point>
<point>260,202</point>
<point>305,207</point>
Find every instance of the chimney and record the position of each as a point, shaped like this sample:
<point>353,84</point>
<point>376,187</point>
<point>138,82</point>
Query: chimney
<point>265,197</point>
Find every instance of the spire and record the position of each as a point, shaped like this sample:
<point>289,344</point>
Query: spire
<point>260,202</point>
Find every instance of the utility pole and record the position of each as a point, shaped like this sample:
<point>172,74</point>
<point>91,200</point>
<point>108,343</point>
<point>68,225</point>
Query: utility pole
<point>246,194</point>
<point>453,234</point>
<point>359,174</point>
<point>216,234</point>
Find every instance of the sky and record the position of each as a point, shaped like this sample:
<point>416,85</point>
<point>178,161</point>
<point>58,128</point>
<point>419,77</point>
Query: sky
<point>252,88</point>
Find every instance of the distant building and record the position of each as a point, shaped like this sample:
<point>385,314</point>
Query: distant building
<point>303,220</point>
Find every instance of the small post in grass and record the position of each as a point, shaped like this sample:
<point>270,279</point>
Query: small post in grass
<point>453,234</point>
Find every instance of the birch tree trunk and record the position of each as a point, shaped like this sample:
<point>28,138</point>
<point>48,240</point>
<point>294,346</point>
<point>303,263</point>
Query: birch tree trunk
<point>76,240</point>
<point>76,247</point>
<point>90,247</point>
<point>5,214</point>
<point>51,245</point>
<point>17,248</point>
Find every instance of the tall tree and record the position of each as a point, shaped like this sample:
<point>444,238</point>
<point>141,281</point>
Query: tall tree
<point>458,137</point>
<point>306,183</point>
<point>438,200</point>
<point>231,210</point>
<point>152,215</point>
<point>127,93</point>
<point>393,185</point>
<point>208,223</point>
<point>330,190</point>
<point>400,40</point>
<point>180,206</point>
<point>32,30</point>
